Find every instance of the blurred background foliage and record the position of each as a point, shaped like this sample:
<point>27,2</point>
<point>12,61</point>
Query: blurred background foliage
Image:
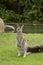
<point>29,11</point>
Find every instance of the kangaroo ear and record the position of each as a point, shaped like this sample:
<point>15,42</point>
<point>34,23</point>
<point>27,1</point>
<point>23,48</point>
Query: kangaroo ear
<point>18,26</point>
<point>22,26</point>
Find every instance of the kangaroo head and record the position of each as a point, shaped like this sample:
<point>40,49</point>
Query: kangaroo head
<point>19,28</point>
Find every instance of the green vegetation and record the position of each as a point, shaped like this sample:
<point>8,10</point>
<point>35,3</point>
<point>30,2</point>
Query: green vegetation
<point>8,50</point>
<point>30,11</point>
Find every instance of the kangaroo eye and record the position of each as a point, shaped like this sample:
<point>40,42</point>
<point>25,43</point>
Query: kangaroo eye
<point>18,29</point>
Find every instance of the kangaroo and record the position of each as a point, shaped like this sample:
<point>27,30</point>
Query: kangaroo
<point>21,41</point>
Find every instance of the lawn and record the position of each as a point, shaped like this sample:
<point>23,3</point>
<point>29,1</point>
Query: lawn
<point>8,50</point>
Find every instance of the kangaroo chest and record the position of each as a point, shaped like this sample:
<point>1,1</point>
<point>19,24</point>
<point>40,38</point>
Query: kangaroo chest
<point>21,43</point>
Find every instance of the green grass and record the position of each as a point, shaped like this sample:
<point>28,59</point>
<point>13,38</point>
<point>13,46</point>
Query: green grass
<point>8,50</point>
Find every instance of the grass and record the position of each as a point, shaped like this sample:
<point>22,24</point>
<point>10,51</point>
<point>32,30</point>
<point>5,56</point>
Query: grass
<point>8,50</point>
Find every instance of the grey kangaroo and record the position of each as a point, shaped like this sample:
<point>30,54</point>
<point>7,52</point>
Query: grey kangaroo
<point>21,41</point>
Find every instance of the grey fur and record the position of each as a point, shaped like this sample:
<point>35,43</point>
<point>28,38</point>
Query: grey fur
<point>21,41</point>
